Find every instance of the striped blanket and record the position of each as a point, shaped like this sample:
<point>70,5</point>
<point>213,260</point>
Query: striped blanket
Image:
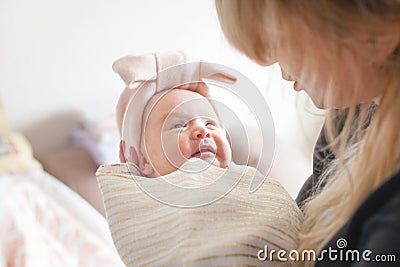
<point>151,226</point>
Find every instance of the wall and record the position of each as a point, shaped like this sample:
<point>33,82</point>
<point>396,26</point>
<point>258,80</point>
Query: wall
<point>57,55</point>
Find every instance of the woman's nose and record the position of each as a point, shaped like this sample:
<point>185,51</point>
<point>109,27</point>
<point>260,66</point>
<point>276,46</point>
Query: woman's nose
<point>286,76</point>
<point>200,132</point>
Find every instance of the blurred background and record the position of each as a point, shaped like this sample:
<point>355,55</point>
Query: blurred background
<point>56,76</point>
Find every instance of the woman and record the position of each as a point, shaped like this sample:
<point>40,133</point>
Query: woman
<point>346,56</point>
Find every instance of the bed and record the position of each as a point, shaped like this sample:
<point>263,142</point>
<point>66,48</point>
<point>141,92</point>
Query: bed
<point>44,221</point>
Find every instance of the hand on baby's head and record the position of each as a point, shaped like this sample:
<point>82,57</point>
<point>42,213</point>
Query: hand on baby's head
<point>179,125</point>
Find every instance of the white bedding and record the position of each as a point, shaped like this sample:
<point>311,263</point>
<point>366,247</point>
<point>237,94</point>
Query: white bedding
<point>44,223</point>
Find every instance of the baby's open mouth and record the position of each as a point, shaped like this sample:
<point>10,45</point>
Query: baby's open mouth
<point>204,150</point>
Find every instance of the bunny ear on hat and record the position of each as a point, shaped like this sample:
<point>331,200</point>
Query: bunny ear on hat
<point>147,75</point>
<point>134,70</point>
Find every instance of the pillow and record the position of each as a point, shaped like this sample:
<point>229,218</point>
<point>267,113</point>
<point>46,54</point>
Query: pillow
<point>16,154</point>
<point>149,227</point>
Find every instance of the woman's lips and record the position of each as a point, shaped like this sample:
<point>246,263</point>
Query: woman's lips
<point>296,86</point>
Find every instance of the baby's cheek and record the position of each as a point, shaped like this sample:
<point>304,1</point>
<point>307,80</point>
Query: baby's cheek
<point>176,151</point>
<point>185,145</point>
<point>171,150</point>
<point>224,150</point>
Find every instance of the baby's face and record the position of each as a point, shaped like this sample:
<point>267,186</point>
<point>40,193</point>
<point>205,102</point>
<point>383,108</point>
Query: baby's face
<point>181,125</point>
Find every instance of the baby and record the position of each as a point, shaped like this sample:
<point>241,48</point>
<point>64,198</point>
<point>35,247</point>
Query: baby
<point>155,223</point>
<point>180,125</point>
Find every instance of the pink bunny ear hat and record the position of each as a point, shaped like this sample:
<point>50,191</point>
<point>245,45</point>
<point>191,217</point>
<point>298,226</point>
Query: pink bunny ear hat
<point>151,74</point>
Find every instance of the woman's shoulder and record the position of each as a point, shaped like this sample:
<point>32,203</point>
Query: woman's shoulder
<point>380,201</point>
<point>374,226</point>
<point>378,217</point>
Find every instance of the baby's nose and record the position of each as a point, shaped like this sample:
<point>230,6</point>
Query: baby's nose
<point>201,132</point>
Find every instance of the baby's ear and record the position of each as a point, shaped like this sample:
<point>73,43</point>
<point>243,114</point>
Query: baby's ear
<point>131,156</point>
<point>145,167</point>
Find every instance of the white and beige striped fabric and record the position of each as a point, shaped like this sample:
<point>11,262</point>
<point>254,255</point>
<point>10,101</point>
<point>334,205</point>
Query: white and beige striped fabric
<point>228,231</point>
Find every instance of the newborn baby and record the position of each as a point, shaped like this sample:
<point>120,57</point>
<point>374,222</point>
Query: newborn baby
<point>180,125</point>
<point>211,220</point>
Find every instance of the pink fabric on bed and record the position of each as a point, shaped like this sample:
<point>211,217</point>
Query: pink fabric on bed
<point>44,223</point>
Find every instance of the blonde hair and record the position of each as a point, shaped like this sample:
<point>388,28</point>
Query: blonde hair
<point>364,156</point>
